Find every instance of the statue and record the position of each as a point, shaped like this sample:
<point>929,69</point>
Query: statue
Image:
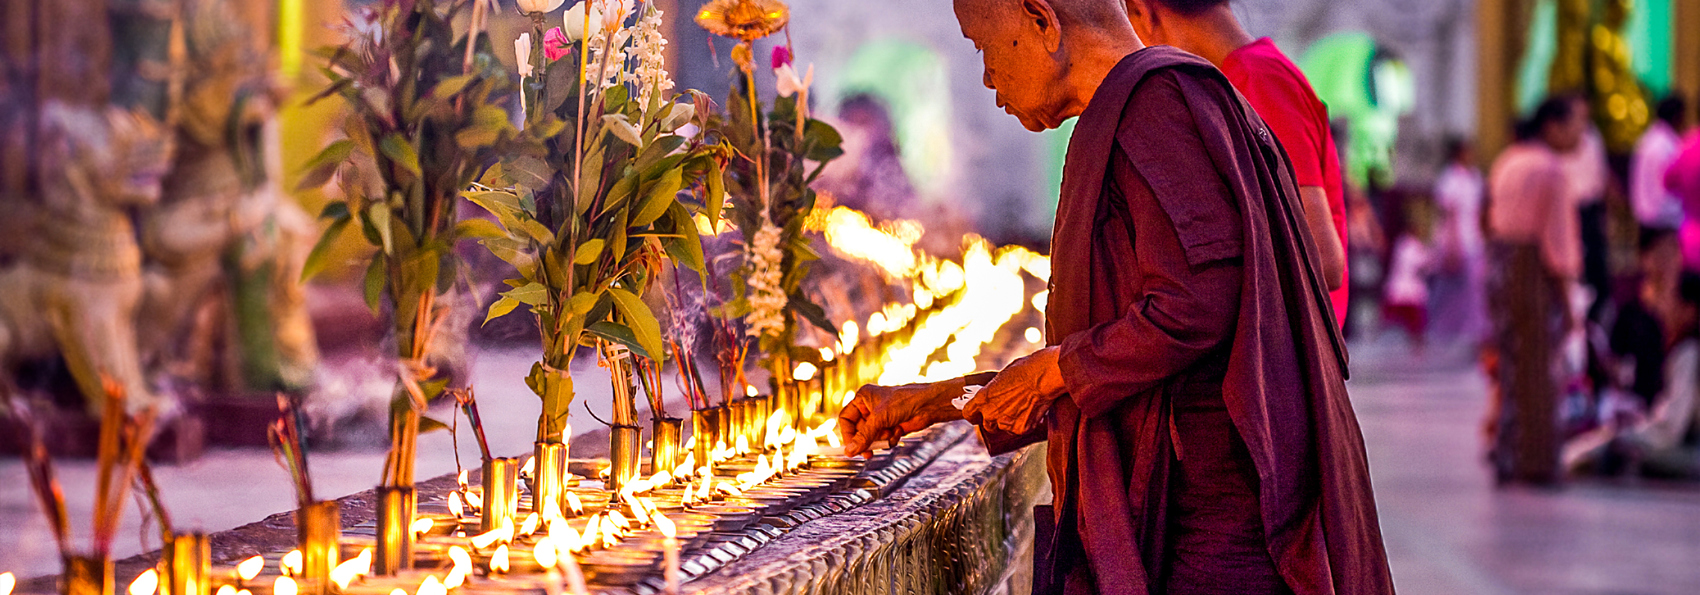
<point>74,287</point>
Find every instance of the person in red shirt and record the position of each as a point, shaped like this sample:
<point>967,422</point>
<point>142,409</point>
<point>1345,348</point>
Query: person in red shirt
<point>1284,99</point>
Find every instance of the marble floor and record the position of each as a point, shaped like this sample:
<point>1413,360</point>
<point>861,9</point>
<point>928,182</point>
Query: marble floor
<point>1448,530</point>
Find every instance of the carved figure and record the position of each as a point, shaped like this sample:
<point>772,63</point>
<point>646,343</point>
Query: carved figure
<point>74,285</point>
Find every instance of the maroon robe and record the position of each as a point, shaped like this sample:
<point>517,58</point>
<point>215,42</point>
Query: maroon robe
<point>1182,274</point>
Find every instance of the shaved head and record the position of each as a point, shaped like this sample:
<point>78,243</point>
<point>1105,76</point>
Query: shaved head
<point>1046,57</point>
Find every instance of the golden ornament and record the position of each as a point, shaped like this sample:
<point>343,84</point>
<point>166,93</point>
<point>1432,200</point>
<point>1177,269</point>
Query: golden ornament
<point>748,20</point>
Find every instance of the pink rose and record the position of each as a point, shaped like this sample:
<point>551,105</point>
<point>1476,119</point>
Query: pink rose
<point>781,56</point>
<point>555,44</point>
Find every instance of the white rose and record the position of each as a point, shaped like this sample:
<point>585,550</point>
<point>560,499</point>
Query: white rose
<point>531,6</point>
<point>572,23</point>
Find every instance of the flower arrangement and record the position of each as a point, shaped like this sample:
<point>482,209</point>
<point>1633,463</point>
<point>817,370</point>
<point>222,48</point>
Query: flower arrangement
<point>782,151</point>
<point>587,204</point>
<point>421,126</point>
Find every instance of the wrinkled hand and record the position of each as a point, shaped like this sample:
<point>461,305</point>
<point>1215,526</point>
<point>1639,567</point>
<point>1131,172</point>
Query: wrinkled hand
<point>888,412</point>
<point>1017,400</point>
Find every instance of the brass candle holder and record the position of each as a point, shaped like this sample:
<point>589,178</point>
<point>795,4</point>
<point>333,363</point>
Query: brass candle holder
<point>188,563</point>
<point>318,528</point>
<point>87,574</point>
<point>549,476</point>
<point>740,422</point>
<point>625,445</point>
<point>395,530</point>
<point>667,434</point>
<point>501,492</point>
<point>705,431</point>
<point>760,408</point>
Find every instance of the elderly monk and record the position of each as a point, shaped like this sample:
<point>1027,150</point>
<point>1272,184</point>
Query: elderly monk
<point>1192,392</point>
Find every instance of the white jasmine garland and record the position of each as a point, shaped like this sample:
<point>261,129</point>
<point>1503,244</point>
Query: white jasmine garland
<point>649,52</point>
<point>767,295</point>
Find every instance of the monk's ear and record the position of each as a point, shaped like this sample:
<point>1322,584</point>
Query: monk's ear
<point>1043,18</point>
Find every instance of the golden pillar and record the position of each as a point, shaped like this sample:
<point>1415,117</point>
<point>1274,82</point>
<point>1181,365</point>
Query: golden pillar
<point>1502,28</point>
<point>1686,47</point>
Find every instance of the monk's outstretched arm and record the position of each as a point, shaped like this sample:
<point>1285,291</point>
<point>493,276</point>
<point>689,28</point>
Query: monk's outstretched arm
<point>1184,312</point>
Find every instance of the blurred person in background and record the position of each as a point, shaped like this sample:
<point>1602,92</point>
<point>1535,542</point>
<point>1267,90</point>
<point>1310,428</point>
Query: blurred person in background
<point>1405,297</point>
<point>1283,97</point>
<point>1459,308</point>
<point>1534,228</point>
<point>1654,205</point>
<point>1662,439</point>
<point>1587,179</point>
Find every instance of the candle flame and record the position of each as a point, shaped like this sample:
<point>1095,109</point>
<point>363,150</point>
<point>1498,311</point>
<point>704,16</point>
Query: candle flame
<point>750,390</point>
<point>827,355</point>
<point>529,467</point>
<point>660,478</point>
<point>431,586</point>
<point>250,568</point>
<point>544,552</point>
<point>611,531</point>
<point>147,583</point>
<point>462,560</point>
<point>455,506</point>
<point>499,560</point>
<point>475,501</point>
<point>805,371</point>
<point>592,534</point>
<point>461,479</point>
<point>848,335</point>
<point>422,525</point>
<point>7,582</point>
<point>398,591</point>
<point>222,590</point>
<point>284,586</point>
<point>574,503</point>
<point>454,580</point>
<point>291,563</point>
<point>666,526</point>
<point>346,572</point>
<point>502,534</point>
<point>529,526</point>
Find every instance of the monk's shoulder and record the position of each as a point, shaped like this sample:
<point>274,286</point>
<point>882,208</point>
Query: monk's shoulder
<point>1159,136</point>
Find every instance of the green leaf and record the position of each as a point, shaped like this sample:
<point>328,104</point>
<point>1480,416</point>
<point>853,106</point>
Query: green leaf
<point>374,283</point>
<point>687,250</point>
<point>451,86</point>
<point>478,228</point>
<point>618,333</point>
<point>499,309</point>
<point>641,320</point>
<point>656,151</point>
<point>321,250</point>
<point>322,166</point>
<point>582,302</point>
<point>532,294</point>
<point>536,231</point>
<point>811,312</point>
<point>716,200</point>
<point>624,129</point>
<point>398,150</point>
<point>379,215</point>
<point>427,424</point>
<point>336,209</point>
<point>477,137</point>
<point>589,251</point>
<point>665,193</point>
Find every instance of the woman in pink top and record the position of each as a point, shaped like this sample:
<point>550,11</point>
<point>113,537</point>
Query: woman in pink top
<point>1284,99</point>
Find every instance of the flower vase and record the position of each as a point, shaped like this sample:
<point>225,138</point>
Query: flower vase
<point>665,455</point>
<point>501,492</point>
<point>188,562</point>
<point>549,477</point>
<point>87,574</point>
<point>624,453</point>
<point>395,530</point>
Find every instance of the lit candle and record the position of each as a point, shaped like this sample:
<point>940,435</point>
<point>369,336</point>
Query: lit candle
<point>291,563</point>
<point>575,577</point>
<point>7,582</point>
<point>670,544</point>
<point>547,557</point>
<point>145,584</point>
<point>284,586</point>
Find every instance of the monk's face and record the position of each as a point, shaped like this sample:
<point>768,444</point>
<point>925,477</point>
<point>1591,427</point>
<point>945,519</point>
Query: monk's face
<point>1013,38</point>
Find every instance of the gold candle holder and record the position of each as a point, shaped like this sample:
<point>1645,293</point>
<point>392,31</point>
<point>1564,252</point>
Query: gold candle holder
<point>501,492</point>
<point>705,430</point>
<point>625,444</point>
<point>549,476</point>
<point>740,424</point>
<point>188,562</point>
<point>761,408</point>
<point>395,530</point>
<point>665,455</point>
<point>87,574</point>
<point>318,528</point>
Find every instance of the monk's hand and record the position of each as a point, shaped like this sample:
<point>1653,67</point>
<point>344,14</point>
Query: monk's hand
<point>886,413</point>
<point>1017,400</point>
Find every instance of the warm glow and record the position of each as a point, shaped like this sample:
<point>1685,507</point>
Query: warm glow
<point>462,560</point>
<point>346,572</point>
<point>145,584</point>
<point>827,355</point>
<point>222,590</point>
<point>1034,335</point>
<point>499,560</point>
<point>502,534</point>
<point>398,591</point>
<point>291,563</point>
<point>474,501</point>
<point>660,478</point>
<point>618,519</point>
<point>432,586</point>
<point>805,371</point>
<point>455,507</point>
<point>611,532</point>
<point>993,292</point>
<point>461,479</point>
<point>876,324</point>
<point>422,525</point>
<point>250,568</point>
<point>848,335</point>
<point>544,552</point>
<point>454,580</point>
<point>284,586</point>
<point>529,467</point>
<point>665,526</point>
<point>750,390</point>
<point>7,582</point>
<point>1040,299</point>
<point>891,247</point>
<point>592,532</point>
<point>529,525</point>
<point>574,503</point>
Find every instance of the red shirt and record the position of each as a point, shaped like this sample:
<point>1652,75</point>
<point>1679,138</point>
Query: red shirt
<point>1283,98</point>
